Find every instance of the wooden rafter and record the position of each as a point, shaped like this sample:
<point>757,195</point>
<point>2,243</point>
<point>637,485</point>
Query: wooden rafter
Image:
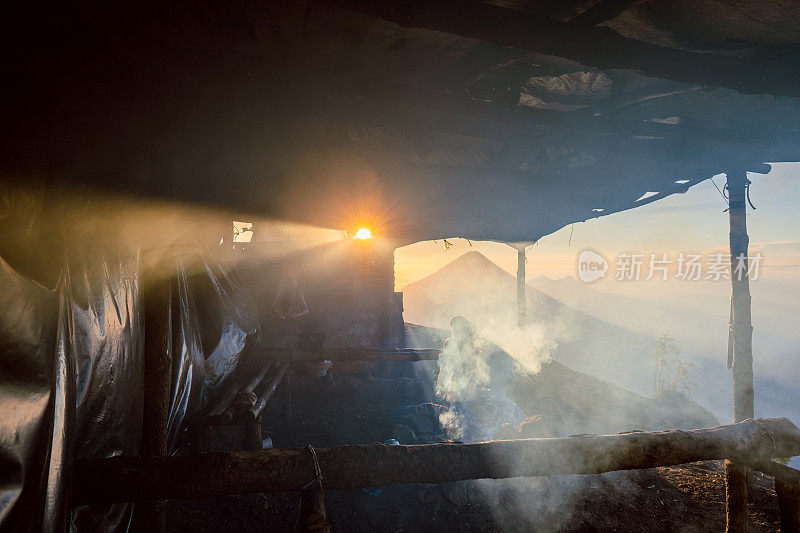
<point>604,11</point>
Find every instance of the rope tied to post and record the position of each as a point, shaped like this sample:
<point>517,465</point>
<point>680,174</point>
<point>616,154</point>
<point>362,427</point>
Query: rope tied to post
<point>726,194</point>
<point>317,469</point>
<point>747,184</point>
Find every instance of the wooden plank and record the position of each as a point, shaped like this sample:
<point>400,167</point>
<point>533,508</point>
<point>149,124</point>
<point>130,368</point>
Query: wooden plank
<point>119,479</point>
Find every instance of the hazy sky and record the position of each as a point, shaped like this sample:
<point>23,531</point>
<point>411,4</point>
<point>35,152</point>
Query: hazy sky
<point>693,223</point>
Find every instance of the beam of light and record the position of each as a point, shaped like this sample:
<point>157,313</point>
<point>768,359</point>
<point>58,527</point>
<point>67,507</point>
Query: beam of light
<point>363,234</point>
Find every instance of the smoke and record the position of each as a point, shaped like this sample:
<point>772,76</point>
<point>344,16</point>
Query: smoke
<point>530,346</point>
<point>493,383</point>
<point>46,225</point>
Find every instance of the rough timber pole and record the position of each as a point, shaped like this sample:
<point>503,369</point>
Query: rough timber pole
<point>521,300</point>
<point>311,515</point>
<point>742,336</point>
<point>140,478</point>
<point>787,488</point>
<point>157,378</point>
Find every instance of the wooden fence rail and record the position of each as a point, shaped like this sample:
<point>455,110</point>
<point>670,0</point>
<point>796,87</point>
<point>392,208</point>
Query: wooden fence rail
<point>153,478</point>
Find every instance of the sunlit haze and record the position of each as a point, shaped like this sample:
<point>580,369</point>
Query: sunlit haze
<point>691,222</point>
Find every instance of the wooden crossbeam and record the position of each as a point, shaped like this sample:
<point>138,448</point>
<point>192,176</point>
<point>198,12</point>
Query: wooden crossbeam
<point>349,354</point>
<point>594,46</point>
<point>118,479</point>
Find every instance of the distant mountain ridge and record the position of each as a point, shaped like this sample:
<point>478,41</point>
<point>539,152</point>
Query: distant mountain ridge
<point>561,401</point>
<point>475,287</point>
<point>600,340</point>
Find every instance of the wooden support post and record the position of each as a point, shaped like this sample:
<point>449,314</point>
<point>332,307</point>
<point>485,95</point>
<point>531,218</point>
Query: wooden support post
<point>742,328</point>
<point>252,435</point>
<point>287,398</point>
<point>311,515</point>
<point>521,298</point>
<point>787,488</point>
<point>199,438</point>
<point>522,301</point>
<point>116,479</point>
<point>735,497</point>
<point>157,379</point>
<point>742,337</point>
<point>788,505</point>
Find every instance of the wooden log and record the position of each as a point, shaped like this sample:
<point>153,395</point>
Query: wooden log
<point>784,473</point>
<point>225,405</point>
<point>311,515</point>
<point>157,366</point>
<point>743,396</point>
<point>119,479</point>
<point>349,354</point>
<point>157,298</point>
<point>521,299</point>
<point>252,435</point>
<point>741,333</point>
<point>735,497</point>
<point>287,399</point>
<point>268,392</point>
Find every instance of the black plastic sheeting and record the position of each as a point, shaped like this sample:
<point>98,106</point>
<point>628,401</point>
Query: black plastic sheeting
<point>206,348</point>
<point>187,358</point>
<point>28,322</point>
<point>227,332</point>
<point>72,384</point>
<point>71,375</point>
<point>103,310</point>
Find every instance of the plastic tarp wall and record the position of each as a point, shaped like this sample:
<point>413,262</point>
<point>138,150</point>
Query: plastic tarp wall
<point>206,346</point>
<point>28,323</point>
<point>72,358</point>
<point>230,320</point>
<point>187,358</point>
<point>70,388</point>
<point>103,314</point>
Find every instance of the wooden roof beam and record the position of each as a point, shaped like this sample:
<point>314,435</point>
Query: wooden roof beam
<point>604,11</point>
<point>597,47</point>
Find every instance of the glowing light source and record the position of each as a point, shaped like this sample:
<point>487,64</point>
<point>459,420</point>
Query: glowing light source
<point>363,234</point>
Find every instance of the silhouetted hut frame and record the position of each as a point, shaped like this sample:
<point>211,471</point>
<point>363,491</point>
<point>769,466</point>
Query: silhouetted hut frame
<point>499,122</point>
